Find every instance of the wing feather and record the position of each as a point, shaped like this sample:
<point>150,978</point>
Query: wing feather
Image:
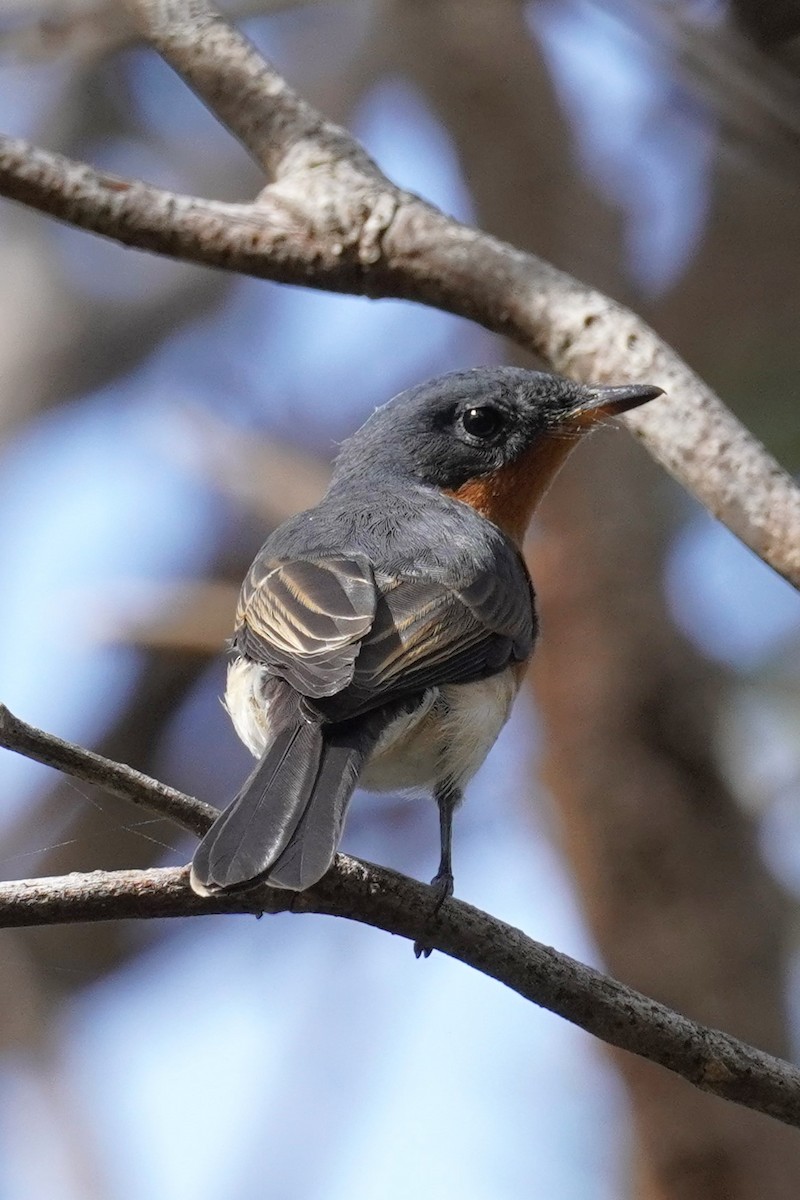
<point>350,640</point>
<point>306,618</point>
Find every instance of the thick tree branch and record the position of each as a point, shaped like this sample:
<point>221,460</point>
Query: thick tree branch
<point>708,1058</point>
<point>577,330</point>
<point>377,240</point>
<point>331,220</point>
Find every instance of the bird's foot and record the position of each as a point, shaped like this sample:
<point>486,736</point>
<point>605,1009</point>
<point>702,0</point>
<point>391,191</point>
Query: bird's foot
<point>442,886</point>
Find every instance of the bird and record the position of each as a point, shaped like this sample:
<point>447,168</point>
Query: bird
<point>382,636</point>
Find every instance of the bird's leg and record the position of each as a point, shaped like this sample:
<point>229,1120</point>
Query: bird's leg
<point>447,798</point>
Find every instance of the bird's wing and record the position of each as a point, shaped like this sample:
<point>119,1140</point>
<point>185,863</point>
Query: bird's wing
<point>354,640</point>
<point>305,619</point>
<point>428,634</point>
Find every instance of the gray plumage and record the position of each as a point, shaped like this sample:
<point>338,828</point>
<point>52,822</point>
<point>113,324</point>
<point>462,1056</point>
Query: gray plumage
<point>422,592</point>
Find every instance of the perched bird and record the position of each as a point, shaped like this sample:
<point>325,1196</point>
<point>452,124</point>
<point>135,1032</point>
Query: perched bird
<point>382,636</point>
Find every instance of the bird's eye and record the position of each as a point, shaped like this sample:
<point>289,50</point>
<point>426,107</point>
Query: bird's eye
<point>483,423</point>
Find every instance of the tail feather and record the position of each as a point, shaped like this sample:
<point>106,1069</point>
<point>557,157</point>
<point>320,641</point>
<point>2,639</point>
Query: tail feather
<point>242,844</point>
<point>284,826</point>
<point>311,848</point>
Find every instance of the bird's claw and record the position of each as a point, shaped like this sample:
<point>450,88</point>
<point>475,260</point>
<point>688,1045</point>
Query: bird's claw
<point>443,887</point>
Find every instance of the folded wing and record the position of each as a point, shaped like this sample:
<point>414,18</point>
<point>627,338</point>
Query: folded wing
<point>351,639</point>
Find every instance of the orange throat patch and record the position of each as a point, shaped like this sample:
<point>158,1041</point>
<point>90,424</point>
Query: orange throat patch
<point>509,497</point>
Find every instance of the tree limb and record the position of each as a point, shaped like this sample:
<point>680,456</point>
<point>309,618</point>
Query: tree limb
<point>331,220</point>
<point>710,1059</point>
<point>282,131</point>
<point>116,779</point>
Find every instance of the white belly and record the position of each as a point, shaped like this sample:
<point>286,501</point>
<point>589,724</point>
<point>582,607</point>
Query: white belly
<point>448,736</point>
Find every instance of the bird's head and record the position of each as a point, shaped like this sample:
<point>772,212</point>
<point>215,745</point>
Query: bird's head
<point>493,437</point>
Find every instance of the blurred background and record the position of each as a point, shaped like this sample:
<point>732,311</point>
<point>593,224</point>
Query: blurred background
<point>642,809</point>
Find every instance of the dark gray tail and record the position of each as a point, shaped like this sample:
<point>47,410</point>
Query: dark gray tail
<point>284,826</point>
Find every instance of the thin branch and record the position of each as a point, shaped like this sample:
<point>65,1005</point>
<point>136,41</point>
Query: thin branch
<point>710,1059</point>
<point>282,131</point>
<point>116,779</point>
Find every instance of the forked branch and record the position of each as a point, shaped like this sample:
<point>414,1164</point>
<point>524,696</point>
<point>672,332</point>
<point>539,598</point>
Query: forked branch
<point>330,219</point>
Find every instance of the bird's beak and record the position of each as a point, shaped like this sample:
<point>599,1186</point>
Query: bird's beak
<point>600,402</point>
